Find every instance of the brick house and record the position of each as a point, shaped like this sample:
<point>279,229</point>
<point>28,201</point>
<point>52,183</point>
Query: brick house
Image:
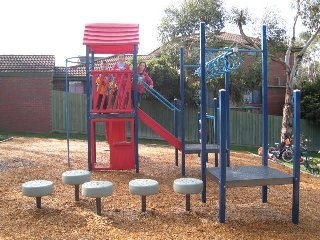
<point>25,92</point>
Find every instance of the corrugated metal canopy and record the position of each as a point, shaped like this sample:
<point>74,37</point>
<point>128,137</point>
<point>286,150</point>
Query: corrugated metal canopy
<point>111,38</point>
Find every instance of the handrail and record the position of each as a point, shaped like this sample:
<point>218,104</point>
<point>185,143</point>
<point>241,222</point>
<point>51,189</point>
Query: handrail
<point>160,97</point>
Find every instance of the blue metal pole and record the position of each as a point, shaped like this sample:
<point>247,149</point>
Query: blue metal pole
<point>67,114</point>
<point>88,106</point>
<point>175,125</point>
<point>199,127</point>
<point>136,122</point>
<point>204,154</point>
<point>183,157</point>
<point>215,129</point>
<point>296,157</point>
<point>215,112</point>
<point>223,164</point>
<point>227,80</point>
<point>264,107</point>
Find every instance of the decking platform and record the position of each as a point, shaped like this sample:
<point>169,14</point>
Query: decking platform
<point>196,148</point>
<point>248,176</point>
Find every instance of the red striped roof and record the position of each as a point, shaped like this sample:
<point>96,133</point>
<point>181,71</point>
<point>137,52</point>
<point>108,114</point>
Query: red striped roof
<point>111,38</point>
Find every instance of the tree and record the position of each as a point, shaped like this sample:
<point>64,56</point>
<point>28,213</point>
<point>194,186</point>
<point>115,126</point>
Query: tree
<point>180,27</point>
<point>310,66</point>
<point>308,11</point>
<point>165,78</point>
<point>310,101</point>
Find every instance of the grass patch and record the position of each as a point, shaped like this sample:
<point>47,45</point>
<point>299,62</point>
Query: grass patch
<point>72,136</point>
<point>2,137</point>
<point>253,150</point>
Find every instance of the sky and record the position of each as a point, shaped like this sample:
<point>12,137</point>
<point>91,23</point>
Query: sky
<point>56,27</point>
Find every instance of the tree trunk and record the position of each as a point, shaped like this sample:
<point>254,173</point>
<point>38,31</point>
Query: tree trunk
<point>287,120</point>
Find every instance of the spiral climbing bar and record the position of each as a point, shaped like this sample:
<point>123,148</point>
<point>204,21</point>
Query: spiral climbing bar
<point>226,62</point>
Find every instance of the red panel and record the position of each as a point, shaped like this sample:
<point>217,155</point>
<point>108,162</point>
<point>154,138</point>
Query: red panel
<point>151,123</point>
<point>111,38</point>
<point>121,151</point>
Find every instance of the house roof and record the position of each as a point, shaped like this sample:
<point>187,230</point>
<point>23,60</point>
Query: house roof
<point>80,70</point>
<point>111,38</point>
<point>224,36</point>
<point>73,71</point>
<point>27,63</point>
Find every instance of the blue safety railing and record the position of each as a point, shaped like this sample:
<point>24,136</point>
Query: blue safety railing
<point>161,98</point>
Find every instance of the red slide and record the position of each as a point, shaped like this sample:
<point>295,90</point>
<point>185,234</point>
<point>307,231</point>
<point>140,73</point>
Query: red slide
<point>156,127</point>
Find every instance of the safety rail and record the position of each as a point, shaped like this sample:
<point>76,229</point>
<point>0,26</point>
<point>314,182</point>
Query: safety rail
<point>111,91</point>
<point>161,98</point>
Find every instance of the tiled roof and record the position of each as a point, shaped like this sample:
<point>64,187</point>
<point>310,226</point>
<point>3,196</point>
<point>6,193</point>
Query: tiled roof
<point>74,71</point>
<point>80,70</point>
<point>224,36</point>
<point>27,63</point>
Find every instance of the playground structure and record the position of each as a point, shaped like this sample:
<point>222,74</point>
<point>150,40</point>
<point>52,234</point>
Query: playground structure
<point>119,114</point>
<point>225,175</point>
<point>120,117</point>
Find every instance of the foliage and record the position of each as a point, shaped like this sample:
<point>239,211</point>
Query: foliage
<point>310,66</point>
<point>278,40</point>
<point>184,22</point>
<point>180,28</point>
<point>167,81</point>
<point>310,101</point>
<point>165,78</point>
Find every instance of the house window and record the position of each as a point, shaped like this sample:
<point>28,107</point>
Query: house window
<point>253,97</point>
<point>76,86</point>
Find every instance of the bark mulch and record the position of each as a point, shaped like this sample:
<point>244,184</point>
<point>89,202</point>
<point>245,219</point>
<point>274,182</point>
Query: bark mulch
<point>61,217</point>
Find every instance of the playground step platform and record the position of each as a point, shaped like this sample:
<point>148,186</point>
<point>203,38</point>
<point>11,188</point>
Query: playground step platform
<point>250,176</point>
<point>188,186</point>
<point>143,187</point>
<point>37,189</point>
<point>97,190</point>
<point>196,148</point>
<point>76,177</point>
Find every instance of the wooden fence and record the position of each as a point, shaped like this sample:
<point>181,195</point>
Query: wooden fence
<point>245,128</point>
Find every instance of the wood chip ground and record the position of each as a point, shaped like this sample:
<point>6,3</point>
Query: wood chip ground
<point>24,159</point>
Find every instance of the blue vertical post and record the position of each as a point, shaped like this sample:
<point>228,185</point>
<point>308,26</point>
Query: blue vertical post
<point>223,163</point>
<point>204,154</point>
<point>215,128</point>
<point>227,142</point>
<point>183,162</point>
<point>135,100</point>
<point>199,129</point>
<point>67,112</point>
<point>88,105</point>
<point>264,107</point>
<point>296,157</point>
<point>175,125</point>
<point>215,125</point>
<point>94,124</point>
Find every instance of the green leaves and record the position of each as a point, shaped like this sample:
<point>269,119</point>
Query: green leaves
<point>310,101</point>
